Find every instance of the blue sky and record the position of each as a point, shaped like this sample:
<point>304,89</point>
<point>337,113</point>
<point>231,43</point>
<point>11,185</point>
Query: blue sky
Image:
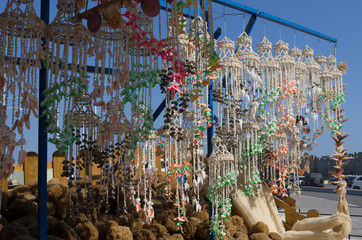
<point>332,17</point>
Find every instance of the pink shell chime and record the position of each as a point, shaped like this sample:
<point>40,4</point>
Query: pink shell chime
<point>20,56</point>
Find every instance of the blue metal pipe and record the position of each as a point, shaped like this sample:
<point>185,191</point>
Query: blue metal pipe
<point>42,141</point>
<point>272,18</point>
<point>159,110</point>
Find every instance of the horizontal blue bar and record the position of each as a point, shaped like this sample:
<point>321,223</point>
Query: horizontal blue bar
<point>253,11</point>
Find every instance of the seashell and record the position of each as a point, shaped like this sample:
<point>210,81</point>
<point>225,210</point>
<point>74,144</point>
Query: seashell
<point>187,186</point>
<point>203,174</point>
<point>21,141</point>
<point>247,99</point>
<point>306,130</point>
<point>198,207</point>
<point>151,7</point>
<point>194,182</point>
<point>242,93</point>
<point>94,22</point>
<point>22,156</point>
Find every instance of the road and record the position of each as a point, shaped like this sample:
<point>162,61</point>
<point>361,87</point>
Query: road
<point>326,203</point>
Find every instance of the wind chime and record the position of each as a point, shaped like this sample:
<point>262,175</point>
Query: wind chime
<point>110,49</point>
<point>251,84</point>
<point>314,89</point>
<point>20,57</point>
<point>227,94</point>
<point>268,102</point>
<point>222,177</point>
<point>66,51</point>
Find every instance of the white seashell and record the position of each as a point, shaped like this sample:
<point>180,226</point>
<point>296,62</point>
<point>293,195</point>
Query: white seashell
<point>203,174</point>
<point>306,120</point>
<point>198,207</point>
<point>247,99</point>
<point>194,182</point>
<point>242,93</point>
<point>187,186</point>
<point>194,202</point>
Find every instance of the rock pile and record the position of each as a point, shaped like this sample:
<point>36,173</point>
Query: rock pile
<point>19,211</point>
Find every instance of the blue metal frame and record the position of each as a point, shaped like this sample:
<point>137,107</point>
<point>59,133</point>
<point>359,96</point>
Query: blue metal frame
<point>42,135</point>
<point>272,18</point>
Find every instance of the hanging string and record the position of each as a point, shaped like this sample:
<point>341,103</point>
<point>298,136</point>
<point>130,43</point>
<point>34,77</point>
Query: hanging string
<point>244,21</point>
<point>264,24</point>
<point>295,38</point>
<point>223,12</point>
<point>319,45</point>
<point>306,39</point>
<point>280,31</point>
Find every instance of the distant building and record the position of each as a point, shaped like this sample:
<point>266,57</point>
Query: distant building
<point>325,163</point>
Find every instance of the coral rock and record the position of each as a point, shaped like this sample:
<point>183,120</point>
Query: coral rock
<point>240,236</point>
<point>10,196</point>
<point>64,231</point>
<point>24,238</point>
<point>33,185</point>
<point>231,230</point>
<point>86,230</point>
<point>137,224</point>
<point>126,220</point>
<point>161,216</point>
<point>55,192</point>
<point>13,230</point>
<point>236,221</point>
<point>109,230</point>
<point>171,225</point>
<point>203,215</point>
<point>144,234</point>
<point>189,229</point>
<point>20,208</point>
<point>259,236</point>
<point>4,202</point>
<point>33,229</point>
<point>51,209</point>
<point>260,227</point>
<point>176,237</point>
<point>159,231</point>
<point>63,206</point>
<point>29,197</point>
<point>53,238</point>
<point>202,232</point>
<point>22,189</point>
<point>275,236</point>
<point>26,221</point>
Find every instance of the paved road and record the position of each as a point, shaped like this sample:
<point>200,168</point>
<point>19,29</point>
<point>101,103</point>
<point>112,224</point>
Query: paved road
<point>326,203</point>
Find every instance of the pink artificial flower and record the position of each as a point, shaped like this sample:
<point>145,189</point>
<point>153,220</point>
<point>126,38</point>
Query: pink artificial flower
<point>174,88</point>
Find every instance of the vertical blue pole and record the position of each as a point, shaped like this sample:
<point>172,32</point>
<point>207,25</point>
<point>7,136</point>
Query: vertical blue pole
<point>210,130</point>
<point>210,133</point>
<point>42,142</point>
